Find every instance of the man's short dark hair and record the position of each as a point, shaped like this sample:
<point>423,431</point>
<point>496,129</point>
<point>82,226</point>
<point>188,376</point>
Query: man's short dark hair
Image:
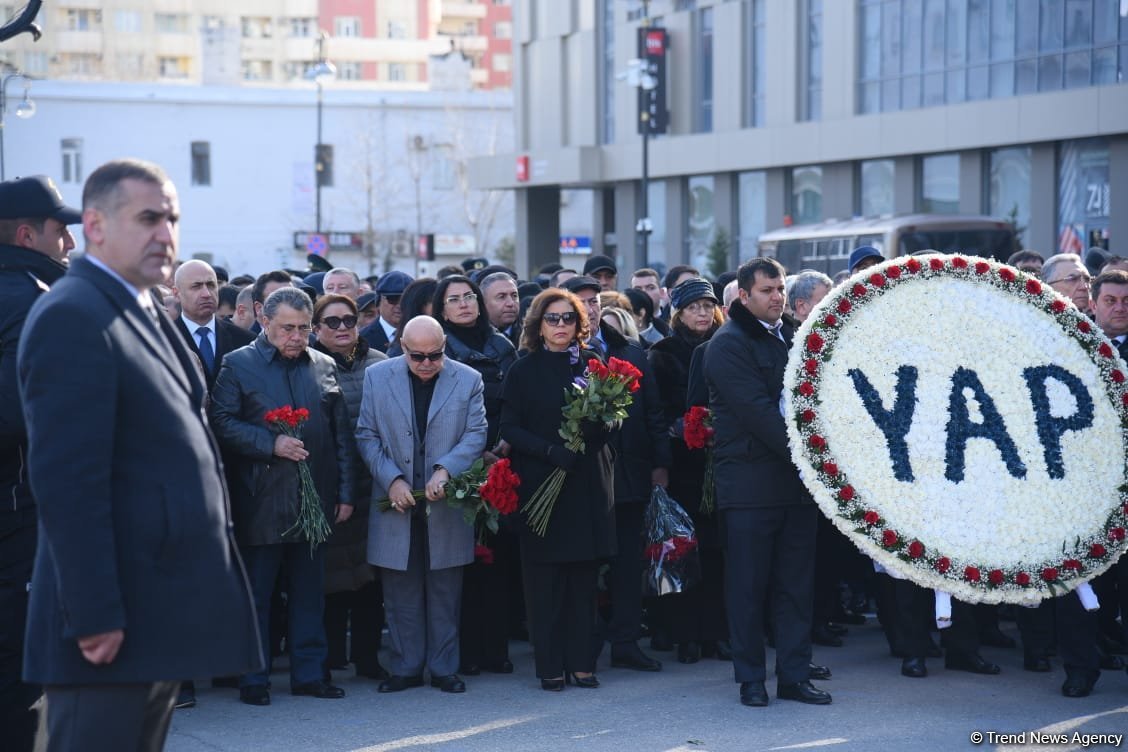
<point>449,270</point>
<point>764,265</point>
<point>554,280</point>
<point>1021,256</point>
<point>265,279</point>
<point>646,271</point>
<point>228,295</point>
<point>676,271</point>
<point>8,227</point>
<point>243,280</point>
<point>1111,277</point>
<point>103,188</point>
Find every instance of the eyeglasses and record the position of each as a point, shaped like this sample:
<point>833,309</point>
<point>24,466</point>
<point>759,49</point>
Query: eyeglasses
<point>420,357</point>
<point>1074,278</point>
<point>335,322</point>
<point>556,319</point>
<point>701,306</point>
<point>467,298</point>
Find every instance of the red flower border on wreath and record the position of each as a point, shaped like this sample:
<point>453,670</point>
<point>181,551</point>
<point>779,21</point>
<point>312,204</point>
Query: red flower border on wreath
<point>817,348</point>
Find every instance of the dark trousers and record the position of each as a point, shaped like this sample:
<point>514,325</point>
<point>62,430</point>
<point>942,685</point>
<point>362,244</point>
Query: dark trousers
<point>1076,631</point>
<point>697,614</point>
<point>624,578</point>
<point>770,550</point>
<point>484,629</point>
<point>914,613</point>
<point>830,568</point>
<point>305,605</point>
<point>560,598</point>
<point>1112,590</point>
<point>359,613</point>
<point>17,553</point>
<point>107,717</point>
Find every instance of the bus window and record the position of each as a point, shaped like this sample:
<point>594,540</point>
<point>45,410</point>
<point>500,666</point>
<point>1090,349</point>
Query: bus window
<point>989,243</point>
<point>788,254</point>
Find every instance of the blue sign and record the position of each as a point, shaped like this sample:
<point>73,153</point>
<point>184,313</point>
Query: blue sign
<point>317,244</point>
<point>575,245</point>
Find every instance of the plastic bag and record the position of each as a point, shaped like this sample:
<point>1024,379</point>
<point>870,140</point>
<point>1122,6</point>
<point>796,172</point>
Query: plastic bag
<point>672,561</point>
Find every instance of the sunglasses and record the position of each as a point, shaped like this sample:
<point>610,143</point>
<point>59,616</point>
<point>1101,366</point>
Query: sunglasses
<point>420,357</point>
<point>556,319</point>
<point>335,322</point>
<point>391,299</point>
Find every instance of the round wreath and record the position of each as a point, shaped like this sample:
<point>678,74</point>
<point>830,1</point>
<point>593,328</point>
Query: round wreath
<point>908,524</point>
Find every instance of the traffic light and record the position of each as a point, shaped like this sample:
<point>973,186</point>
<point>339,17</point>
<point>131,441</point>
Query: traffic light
<point>323,164</point>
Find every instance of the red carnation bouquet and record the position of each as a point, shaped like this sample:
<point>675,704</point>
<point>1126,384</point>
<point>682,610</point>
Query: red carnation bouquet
<point>311,523</point>
<point>672,561</point>
<point>601,395</point>
<point>482,493</point>
<point>698,434</point>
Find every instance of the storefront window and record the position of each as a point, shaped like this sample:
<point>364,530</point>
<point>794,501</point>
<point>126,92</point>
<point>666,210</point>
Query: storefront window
<point>940,184</point>
<point>1083,195</point>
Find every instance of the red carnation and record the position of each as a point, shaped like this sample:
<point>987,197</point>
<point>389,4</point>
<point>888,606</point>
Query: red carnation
<point>815,342</point>
<point>808,416</point>
<point>844,306</point>
<point>483,554</point>
<point>935,264</point>
<point>889,538</point>
<point>995,577</point>
<point>1007,274</point>
<point>1022,579</point>
<point>1117,376</point>
<point>1084,326</point>
<point>500,487</point>
<point>1097,551</point>
<point>893,272</point>
<point>1105,350</point>
<point>877,280</point>
<point>1124,399</point>
<point>1050,574</point>
<point>871,517</point>
<point>831,320</point>
<point>817,442</point>
<point>1058,306</point>
<point>1033,287</point>
<point>943,564</point>
<point>959,262</point>
<point>971,574</point>
<point>846,493</point>
<point>1072,565</point>
<point>916,550</point>
<point>982,267</point>
<point>830,468</point>
<point>858,290</point>
<point>811,366</point>
<point>912,265</point>
<point>806,389</point>
<point>1116,534</point>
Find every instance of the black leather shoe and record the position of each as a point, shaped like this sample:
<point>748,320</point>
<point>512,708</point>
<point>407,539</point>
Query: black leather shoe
<point>975,663</point>
<point>1112,645</point>
<point>689,652</point>
<point>994,638</point>
<point>1110,662</point>
<point>584,682</point>
<point>854,618</point>
<point>186,697</point>
<point>320,689</point>
<point>753,694</point>
<point>400,683</point>
<point>256,694</point>
<point>804,692</point>
<point>629,655</point>
<point>1039,664</point>
<point>914,668</point>
<point>450,683</point>
<point>837,629</point>
<point>819,673</point>
<point>372,671</point>
<point>1077,685</point>
<point>504,667</point>
<point>820,635</point>
<point>470,669</point>
<point>552,685</point>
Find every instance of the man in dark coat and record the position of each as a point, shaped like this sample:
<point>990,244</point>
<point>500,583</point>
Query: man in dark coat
<point>767,516</point>
<point>34,243</point>
<point>136,562</point>
<point>276,370</point>
<point>382,332</point>
<point>210,337</point>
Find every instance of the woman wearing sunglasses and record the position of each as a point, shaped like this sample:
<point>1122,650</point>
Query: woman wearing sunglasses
<point>560,569</point>
<point>483,634</point>
<point>352,590</point>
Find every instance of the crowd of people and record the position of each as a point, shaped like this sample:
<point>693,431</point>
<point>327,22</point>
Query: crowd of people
<point>151,488</point>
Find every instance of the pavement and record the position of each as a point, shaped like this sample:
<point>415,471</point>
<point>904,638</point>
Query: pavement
<point>682,709</point>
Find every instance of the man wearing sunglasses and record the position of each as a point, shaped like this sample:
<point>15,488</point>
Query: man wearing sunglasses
<point>381,332</point>
<point>422,421</point>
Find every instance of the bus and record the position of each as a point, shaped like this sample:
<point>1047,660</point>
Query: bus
<point>826,246</point>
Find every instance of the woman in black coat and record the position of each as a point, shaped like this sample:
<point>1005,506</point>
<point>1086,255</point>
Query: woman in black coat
<point>560,569</point>
<point>483,634</point>
<point>696,618</point>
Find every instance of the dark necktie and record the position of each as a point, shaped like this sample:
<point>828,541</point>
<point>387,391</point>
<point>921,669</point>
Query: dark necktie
<point>207,353</point>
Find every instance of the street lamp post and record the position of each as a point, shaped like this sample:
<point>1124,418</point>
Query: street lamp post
<point>25,109</point>
<point>321,72</point>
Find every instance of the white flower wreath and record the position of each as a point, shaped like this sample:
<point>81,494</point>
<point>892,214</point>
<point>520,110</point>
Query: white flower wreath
<point>963,425</point>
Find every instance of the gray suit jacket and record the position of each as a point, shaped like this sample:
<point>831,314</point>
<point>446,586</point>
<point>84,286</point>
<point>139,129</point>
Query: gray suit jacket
<point>385,433</point>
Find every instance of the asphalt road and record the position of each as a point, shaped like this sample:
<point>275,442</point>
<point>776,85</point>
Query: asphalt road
<point>682,708</point>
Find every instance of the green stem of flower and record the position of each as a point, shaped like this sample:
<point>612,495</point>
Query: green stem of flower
<point>538,509</point>
<point>311,523</point>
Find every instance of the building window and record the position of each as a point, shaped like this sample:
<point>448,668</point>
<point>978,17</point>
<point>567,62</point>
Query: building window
<point>503,30</point>
<point>302,27</point>
<point>940,184</point>
<point>349,71</point>
<point>806,194</point>
<point>201,163</point>
<point>608,82</point>
<point>875,187</point>
<point>397,29</point>
<point>811,99</point>
<point>172,23</point>
<point>173,67</point>
<point>396,72</point>
<point>346,26</point>
<point>700,221</point>
<point>130,65</point>
<point>81,19</point>
<point>127,21</point>
<point>82,64</point>
<point>703,115</point>
<point>1084,199</point>
<point>72,160</point>
<point>752,200</point>
<point>1008,187</point>
<point>257,70</point>
<point>257,27</point>
<point>501,62</point>
<point>755,65</point>
<point>35,63</point>
<point>443,170</point>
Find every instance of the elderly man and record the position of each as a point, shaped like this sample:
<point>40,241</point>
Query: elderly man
<point>1066,273</point>
<point>276,370</point>
<point>422,421</point>
<point>808,289</point>
<point>502,304</point>
<point>382,332</point>
<point>210,337</point>
<point>136,580</point>
<point>341,281</point>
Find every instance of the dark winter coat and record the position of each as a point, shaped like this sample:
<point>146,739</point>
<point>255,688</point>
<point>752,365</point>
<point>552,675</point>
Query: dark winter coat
<point>582,527</point>
<point>492,361</point>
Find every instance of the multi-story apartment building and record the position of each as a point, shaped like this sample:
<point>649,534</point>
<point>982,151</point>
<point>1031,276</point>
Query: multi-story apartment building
<point>799,111</point>
<point>266,42</point>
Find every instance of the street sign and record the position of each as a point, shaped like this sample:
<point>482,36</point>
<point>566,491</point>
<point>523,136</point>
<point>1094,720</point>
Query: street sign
<point>575,245</point>
<point>317,244</point>
<point>653,42</point>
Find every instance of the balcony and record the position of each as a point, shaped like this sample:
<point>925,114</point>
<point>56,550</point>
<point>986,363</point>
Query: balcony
<point>78,41</point>
<point>455,10</point>
<point>354,49</point>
